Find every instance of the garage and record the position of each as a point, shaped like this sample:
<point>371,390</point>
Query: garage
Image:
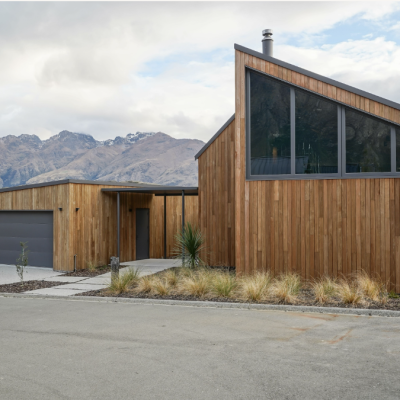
<point>33,227</point>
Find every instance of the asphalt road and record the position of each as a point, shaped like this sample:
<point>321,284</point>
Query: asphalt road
<point>63,349</point>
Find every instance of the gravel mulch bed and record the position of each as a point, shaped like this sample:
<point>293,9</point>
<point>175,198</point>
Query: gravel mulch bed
<point>90,273</point>
<point>28,285</point>
<point>305,298</point>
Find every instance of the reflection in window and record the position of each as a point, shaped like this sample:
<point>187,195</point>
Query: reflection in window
<point>270,126</point>
<point>367,144</point>
<point>316,135</point>
<point>397,150</point>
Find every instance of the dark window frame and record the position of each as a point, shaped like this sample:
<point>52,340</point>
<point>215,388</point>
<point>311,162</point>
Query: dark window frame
<point>341,110</point>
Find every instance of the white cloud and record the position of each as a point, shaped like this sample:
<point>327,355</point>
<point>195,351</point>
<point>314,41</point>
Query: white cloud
<point>112,68</point>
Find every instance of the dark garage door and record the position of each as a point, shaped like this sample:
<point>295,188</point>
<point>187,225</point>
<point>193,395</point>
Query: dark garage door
<point>33,227</point>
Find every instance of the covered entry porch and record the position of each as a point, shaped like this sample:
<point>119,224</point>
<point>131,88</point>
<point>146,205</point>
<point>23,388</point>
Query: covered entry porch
<point>147,220</point>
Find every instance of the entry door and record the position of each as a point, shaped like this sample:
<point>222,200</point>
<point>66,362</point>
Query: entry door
<point>33,227</point>
<point>142,233</point>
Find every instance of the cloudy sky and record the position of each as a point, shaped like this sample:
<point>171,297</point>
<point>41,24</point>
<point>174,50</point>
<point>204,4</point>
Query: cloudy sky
<point>108,69</point>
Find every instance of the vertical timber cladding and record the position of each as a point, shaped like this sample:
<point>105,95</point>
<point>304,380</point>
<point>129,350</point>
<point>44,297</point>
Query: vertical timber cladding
<point>216,198</point>
<point>314,227</point>
<point>46,198</point>
<point>93,232</point>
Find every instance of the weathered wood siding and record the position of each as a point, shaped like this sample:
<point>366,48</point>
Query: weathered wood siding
<point>94,230</point>
<point>46,198</point>
<point>314,227</point>
<point>216,198</point>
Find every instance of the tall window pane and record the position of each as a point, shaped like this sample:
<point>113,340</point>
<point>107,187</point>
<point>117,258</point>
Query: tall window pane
<point>367,144</point>
<point>397,150</point>
<point>269,126</point>
<point>316,135</point>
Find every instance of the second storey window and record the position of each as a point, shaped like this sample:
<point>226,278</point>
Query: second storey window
<point>292,133</point>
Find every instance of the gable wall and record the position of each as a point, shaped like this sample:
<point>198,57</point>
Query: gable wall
<point>216,198</point>
<point>314,227</point>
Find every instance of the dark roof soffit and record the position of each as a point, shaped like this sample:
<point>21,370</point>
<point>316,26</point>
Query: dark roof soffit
<point>207,145</point>
<point>318,77</point>
<point>65,181</point>
<point>160,190</point>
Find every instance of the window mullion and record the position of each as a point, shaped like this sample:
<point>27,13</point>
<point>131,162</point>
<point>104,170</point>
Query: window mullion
<point>393,148</point>
<point>343,137</point>
<point>292,132</point>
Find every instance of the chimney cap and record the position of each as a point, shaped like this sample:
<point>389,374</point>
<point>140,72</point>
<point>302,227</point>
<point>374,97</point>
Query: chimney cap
<point>267,32</point>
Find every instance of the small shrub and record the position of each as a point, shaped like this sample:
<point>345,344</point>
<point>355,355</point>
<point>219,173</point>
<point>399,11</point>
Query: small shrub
<point>22,261</point>
<point>188,245</point>
<point>349,292</point>
<point>286,287</point>
<point>393,295</point>
<point>223,284</point>
<point>91,266</point>
<point>254,287</point>
<point>125,281</point>
<point>324,289</point>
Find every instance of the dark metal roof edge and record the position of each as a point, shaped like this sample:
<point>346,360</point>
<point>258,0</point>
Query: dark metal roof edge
<point>318,77</point>
<point>66,181</point>
<point>152,189</point>
<point>208,144</point>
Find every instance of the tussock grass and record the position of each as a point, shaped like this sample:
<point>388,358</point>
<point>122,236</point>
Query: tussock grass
<point>91,266</point>
<point>171,277</point>
<point>349,292</point>
<point>324,289</point>
<point>286,287</point>
<point>160,286</point>
<point>145,284</point>
<point>196,284</point>
<point>125,281</point>
<point>223,284</point>
<point>371,288</point>
<point>254,288</point>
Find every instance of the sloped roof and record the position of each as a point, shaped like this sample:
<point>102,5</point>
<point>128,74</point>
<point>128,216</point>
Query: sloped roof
<point>305,72</point>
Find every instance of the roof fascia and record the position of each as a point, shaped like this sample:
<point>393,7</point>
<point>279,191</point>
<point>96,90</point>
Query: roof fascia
<point>208,144</point>
<point>318,77</point>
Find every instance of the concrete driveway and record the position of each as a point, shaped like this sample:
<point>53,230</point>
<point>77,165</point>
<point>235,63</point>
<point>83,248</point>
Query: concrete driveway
<point>72,349</point>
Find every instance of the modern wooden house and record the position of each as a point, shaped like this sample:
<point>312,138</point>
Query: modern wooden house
<point>304,176</point>
<point>69,224</point>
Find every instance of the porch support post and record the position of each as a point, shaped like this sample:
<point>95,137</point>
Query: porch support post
<point>165,226</point>
<point>118,225</point>
<point>183,223</point>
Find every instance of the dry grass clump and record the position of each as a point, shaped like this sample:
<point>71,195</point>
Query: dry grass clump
<point>125,281</point>
<point>171,277</point>
<point>349,292</point>
<point>286,287</point>
<point>145,284</point>
<point>196,283</point>
<point>324,289</point>
<point>371,288</point>
<point>223,284</point>
<point>254,288</point>
<point>160,286</point>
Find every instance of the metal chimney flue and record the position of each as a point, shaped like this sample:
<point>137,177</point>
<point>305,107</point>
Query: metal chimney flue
<point>268,42</point>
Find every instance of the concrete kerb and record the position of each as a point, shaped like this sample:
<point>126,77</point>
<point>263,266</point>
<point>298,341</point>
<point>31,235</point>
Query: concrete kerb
<point>215,304</point>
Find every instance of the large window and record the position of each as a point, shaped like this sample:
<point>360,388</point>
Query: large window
<point>292,133</point>
<point>367,144</point>
<point>270,126</point>
<point>316,134</point>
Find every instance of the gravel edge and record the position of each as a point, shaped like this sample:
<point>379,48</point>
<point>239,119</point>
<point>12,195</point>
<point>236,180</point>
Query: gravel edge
<point>213,304</point>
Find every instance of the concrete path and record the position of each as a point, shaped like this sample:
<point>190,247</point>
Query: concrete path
<point>71,349</point>
<point>78,285</point>
<point>8,274</point>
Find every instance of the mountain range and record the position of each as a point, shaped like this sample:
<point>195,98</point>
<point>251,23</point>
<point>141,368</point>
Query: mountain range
<point>152,157</point>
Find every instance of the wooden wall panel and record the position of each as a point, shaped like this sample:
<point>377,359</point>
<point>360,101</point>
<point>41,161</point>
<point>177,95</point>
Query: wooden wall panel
<point>314,227</point>
<point>46,198</point>
<point>216,198</point>
<point>94,230</point>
